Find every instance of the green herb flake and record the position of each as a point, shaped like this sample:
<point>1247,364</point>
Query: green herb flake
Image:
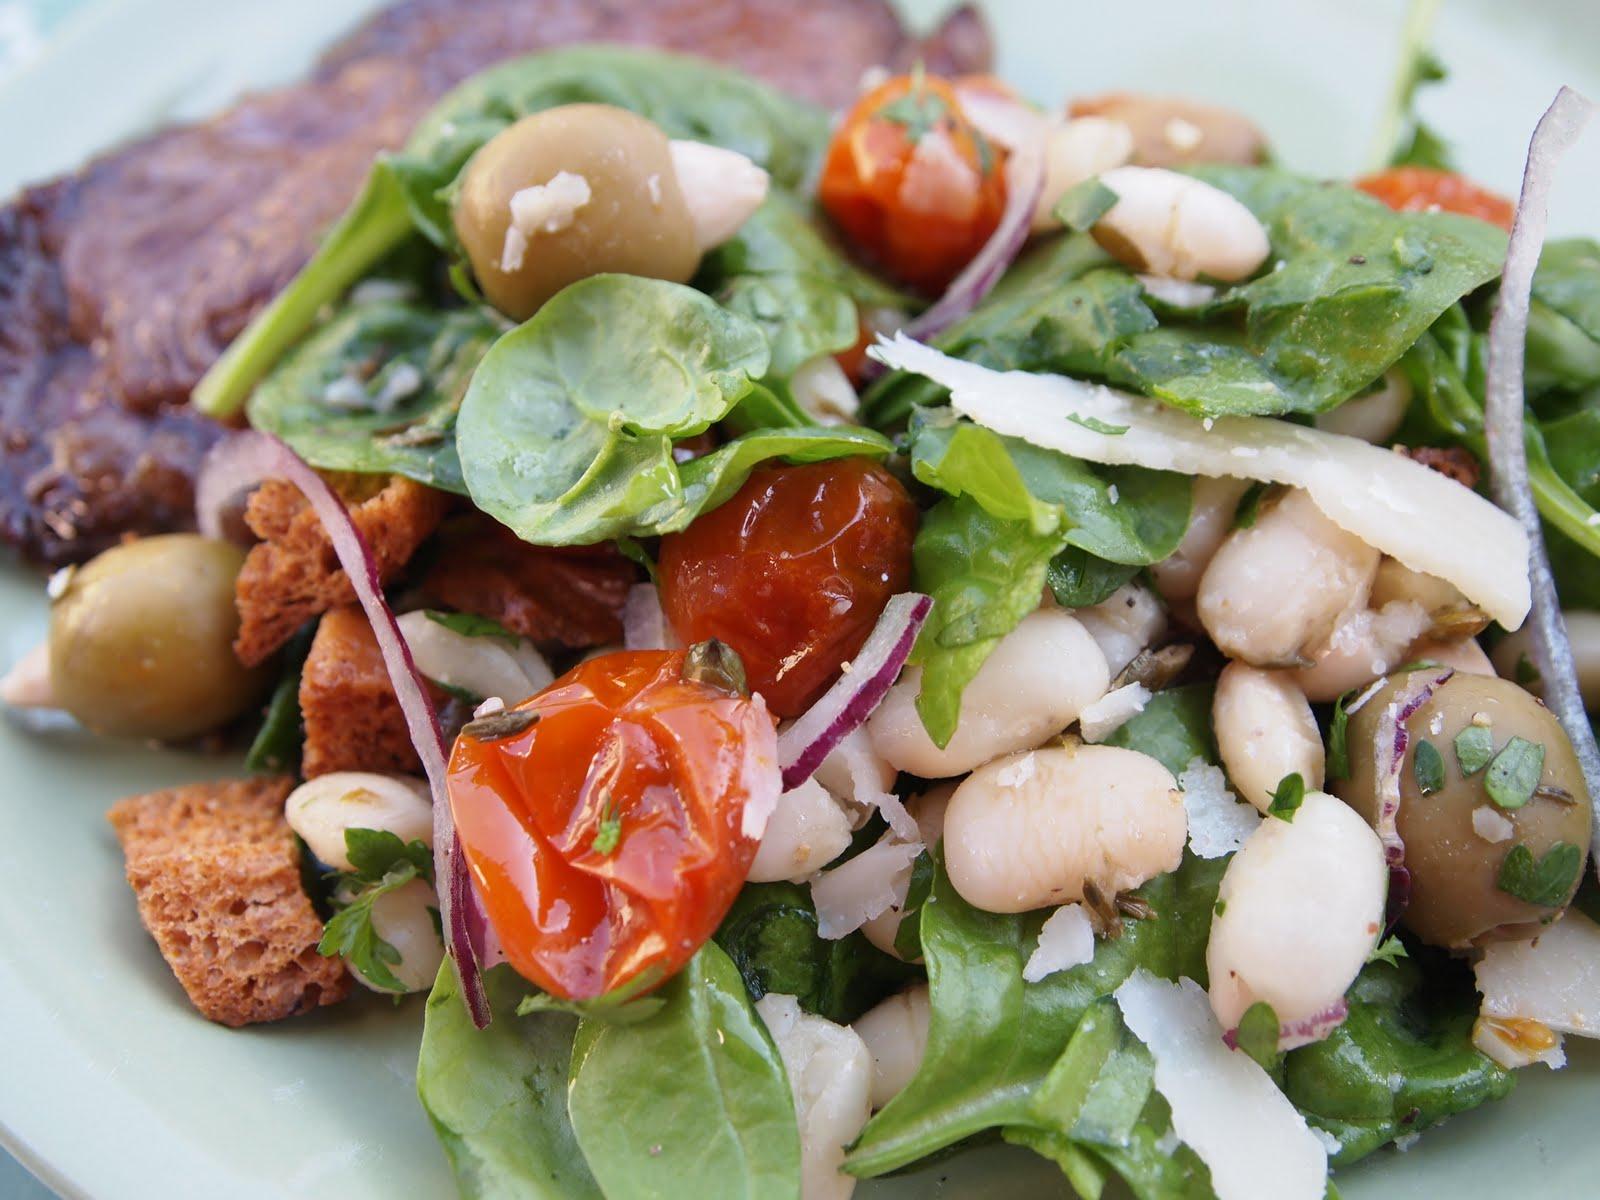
<point>1249,507</point>
<point>919,112</point>
<point>383,863</point>
<point>471,625</point>
<point>1474,749</point>
<point>1085,204</point>
<point>1095,425</point>
<point>1546,882</point>
<point>1427,767</point>
<point>1220,907</point>
<point>1257,1034</point>
<point>1287,797</point>
<point>1514,773</point>
<point>1339,740</point>
<point>1390,950</point>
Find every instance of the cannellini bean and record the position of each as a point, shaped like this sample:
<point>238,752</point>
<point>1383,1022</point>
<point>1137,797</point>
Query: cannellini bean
<point>1583,631</point>
<point>830,1075</point>
<point>1215,501</point>
<point>1074,152</point>
<point>806,832</point>
<point>1124,623</point>
<point>1171,131</point>
<point>1175,225</point>
<point>1375,416</point>
<point>402,919</point>
<point>928,811</point>
<point>820,387</point>
<point>1274,591</point>
<point>1363,646</point>
<point>322,809</point>
<point>720,187</point>
<point>27,683</point>
<point>1036,828</point>
<point>1034,685</point>
<point>896,1036</point>
<point>1265,730</point>
<point>481,666</point>
<point>1462,654</point>
<point>1395,582</point>
<point>1299,910</point>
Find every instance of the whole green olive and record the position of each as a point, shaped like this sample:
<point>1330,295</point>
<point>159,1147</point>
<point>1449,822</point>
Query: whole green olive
<point>1457,837</point>
<point>595,191</point>
<point>141,640</point>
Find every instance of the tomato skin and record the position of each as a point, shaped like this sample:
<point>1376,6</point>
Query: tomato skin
<point>1425,189</point>
<point>672,761</point>
<point>792,572</point>
<point>920,209</point>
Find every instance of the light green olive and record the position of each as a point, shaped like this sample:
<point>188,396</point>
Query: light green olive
<point>632,220</point>
<point>1455,861</point>
<point>141,640</point>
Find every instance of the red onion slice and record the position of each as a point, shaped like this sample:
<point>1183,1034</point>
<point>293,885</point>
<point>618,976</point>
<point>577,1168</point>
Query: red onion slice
<point>245,460</point>
<point>1389,749</point>
<point>850,701</point>
<point>1557,130</point>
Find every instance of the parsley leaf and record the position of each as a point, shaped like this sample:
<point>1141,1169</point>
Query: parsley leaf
<point>1474,749</point>
<point>1339,740</point>
<point>1257,1035</point>
<point>1514,773</point>
<point>1546,882</point>
<point>1287,797</point>
<point>1427,767</point>
<point>472,625</point>
<point>610,831</point>
<point>919,112</point>
<point>376,852</point>
<point>1390,950</point>
<point>383,864</point>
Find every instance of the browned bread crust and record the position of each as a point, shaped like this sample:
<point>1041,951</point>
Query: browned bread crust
<point>353,720</point>
<point>216,872</point>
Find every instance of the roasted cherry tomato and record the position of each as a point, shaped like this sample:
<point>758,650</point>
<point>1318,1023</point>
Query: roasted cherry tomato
<point>793,572</point>
<point>1425,189</point>
<point>605,834</point>
<point>913,185</point>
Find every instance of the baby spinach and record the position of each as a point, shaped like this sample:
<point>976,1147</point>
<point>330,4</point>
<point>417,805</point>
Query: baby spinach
<point>691,1101</point>
<point>770,934</point>
<point>1563,350</point>
<point>1174,728</point>
<point>497,1097</point>
<point>377,389</point>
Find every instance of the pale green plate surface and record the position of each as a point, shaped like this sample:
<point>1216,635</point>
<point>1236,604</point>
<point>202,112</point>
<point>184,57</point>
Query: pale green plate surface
<point>111,1087</point>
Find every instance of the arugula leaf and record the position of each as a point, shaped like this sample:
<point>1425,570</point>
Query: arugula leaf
<point>730,1128</point>
<point>497,1097</point>
<point>1546,882</point>
<point>1513,774</point>
<point>275,749</point>
<point>472,625</point>
<point>1174,728</point>
<point>1427,767</point>
<point>1287,797</point>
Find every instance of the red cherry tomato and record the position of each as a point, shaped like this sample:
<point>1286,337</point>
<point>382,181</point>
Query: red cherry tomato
<point>606,838</point>
<point>913,185</point>
<point>1424,189</point>
<point>793,572</point>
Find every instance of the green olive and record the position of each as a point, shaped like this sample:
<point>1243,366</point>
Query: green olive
<point>1456,898</point>
<point>141,640</point>
<point>634,220</point>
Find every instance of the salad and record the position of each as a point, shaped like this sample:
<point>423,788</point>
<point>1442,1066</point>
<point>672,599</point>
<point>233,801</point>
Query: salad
<point>948,623</point>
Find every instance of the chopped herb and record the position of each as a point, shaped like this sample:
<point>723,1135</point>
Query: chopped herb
<point>1085,204</point>
<point>1249,506</point>
<point>1390,950</point>
<point>375,852</point>
<point>610,831</point>
<point>1287,797</point>
<point>716,664</point>
<point>908,937</point>
<point>1546,882</point>
<point>1525,673</point>
<point>472,625</point>
<point>1514,773</point>
<point>1220,907</point>
<point>919,112</point>
<point>1339,739</point>
<point>504,724</point>
<point>1257,1034</point>
<point>1427,767</point>
<point>383,863</point>
<point>1097,425</point>
<point>1474,749</point>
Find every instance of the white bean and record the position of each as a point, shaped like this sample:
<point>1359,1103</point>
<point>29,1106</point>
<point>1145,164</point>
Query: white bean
<point>1583,631</point>
<point>1462,654</point>
<point>1364,645</point>
<point>820,387</point>
<point>830,1077</point>
<point>1265,730</point>
<point>1034,829</point>
<point>1175,225</point>
<point>1299,910</point>
<point>856,774</point>
<point>1034,685</point>
<point>720,187</point>
<point>1275,590</point>
<point>481,666</point>
<point>1397,582</point>
<point>806,832</point>
<point>1075,152</point>
<point>1375,416</point>
<point>322,809</point>
<point>402,919</point>
<point>1211,513</point>
<point>1124,623</point>
<point>896,1036</point>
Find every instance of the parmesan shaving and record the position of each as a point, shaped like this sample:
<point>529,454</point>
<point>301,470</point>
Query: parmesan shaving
<point>1553,979</point>
<point>1219,822</point>
<point>871,883</point>
<point>1066,940</point>
<point>1112,711</point>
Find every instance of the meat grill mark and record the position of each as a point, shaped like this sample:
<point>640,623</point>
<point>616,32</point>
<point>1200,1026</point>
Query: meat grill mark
<point>121,284</point>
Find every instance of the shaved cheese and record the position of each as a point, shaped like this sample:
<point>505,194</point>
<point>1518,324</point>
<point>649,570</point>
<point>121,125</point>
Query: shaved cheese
<point>1553,979</point>
<point>870,884</point>
<point>1112,711</point>
<point>1427,521</point>
<point>1488,824</point>
<point>1066,940</point>
<point>1224,1106</point>
<point>1219,822</point>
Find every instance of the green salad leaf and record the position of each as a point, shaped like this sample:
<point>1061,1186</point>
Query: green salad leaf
<point>275,750</point>
<point>692,1100</point>
<point>382,864</point>
<point>1174,728</point>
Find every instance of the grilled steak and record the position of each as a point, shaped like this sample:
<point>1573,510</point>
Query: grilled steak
<point>120,285</point>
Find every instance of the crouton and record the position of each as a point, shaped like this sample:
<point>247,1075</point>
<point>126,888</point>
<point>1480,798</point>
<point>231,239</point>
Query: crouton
<point>352,718</point>
<point>216,873</point>
<point>293,574</point>
<point>560,598</point>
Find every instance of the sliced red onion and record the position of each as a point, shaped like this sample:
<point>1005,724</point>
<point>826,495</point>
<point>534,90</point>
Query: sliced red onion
<point>644,625</point>
<point>1389,749</point>
<point>850,701</point>
<point>1002,119</point>
<point>1504,411</point>
<point>241,462</point>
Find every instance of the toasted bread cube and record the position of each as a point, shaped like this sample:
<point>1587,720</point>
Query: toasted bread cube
<point>353,720</point>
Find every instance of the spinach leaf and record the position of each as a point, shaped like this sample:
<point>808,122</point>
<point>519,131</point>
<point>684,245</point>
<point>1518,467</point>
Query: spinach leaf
<point>1401,1061</point>
<point>497,1097</point>
<point>276,747</point>
<point>1078,579</point>
<point>1563,351</point>
<point>995,1040</point>
<point>376,390</point>
<point>770,934</point>
<point>692,1101</point>
<point>1174,728</point>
